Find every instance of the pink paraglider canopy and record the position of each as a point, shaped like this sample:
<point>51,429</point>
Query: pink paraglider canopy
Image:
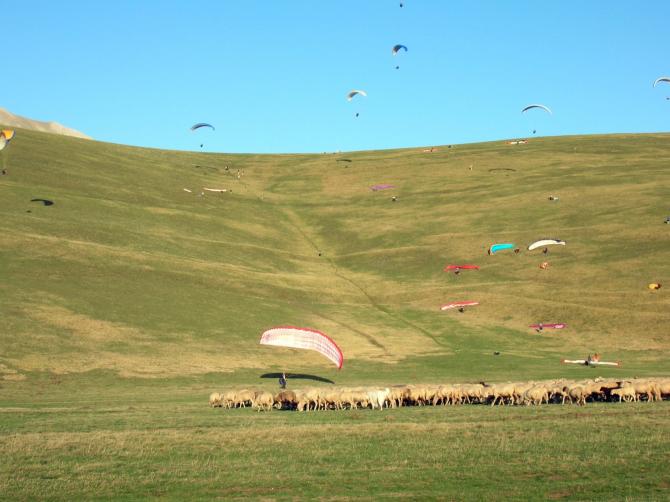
<point>304,338</point>
<point>377,188</point>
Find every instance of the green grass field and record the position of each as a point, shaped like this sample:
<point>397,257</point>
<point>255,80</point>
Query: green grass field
<point>127,301</point>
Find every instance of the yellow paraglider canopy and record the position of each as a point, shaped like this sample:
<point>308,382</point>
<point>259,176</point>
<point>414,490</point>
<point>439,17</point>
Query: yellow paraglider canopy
<point>7,134</point>
<point>654,285</point>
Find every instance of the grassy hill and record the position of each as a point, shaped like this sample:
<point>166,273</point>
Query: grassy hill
<point>129,273</point>
<point>128,300</point>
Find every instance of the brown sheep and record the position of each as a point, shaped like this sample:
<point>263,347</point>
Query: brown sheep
<point>285,398</point>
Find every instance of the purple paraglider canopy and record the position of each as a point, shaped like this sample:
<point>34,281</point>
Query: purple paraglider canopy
<point>376,188</point>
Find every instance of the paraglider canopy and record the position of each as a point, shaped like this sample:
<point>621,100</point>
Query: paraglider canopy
<point>6,136</point>
<point>499,247</point>
<point>382,186</point>
<point>545,242</point>
<point>449,268</point>
<point>304,338</point>
<point>661,79</point>
<point>558,325</point>
<point>200,125</point>
<point>458,305</point>
<point>396,49</point>
<point>355,92</point>
<point>530,107</point>
<point>654,285</point>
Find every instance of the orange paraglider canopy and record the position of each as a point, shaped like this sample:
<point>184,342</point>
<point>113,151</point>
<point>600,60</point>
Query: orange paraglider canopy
<point>544,265</point>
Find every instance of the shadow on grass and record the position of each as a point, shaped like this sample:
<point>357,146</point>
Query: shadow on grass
<point>300,376</point>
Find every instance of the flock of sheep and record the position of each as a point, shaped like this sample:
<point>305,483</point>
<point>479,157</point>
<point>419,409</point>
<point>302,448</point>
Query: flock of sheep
<point>519,393</point>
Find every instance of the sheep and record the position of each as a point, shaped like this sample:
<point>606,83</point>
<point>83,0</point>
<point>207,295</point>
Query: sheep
<point>536,395</point>
<point>502,391</point>
<point>519,390</point>
<point>378,397</point>
<point>664,387</point>
<point>445,394</point>
<point>626,393</point>
<point>643,387</point>
<point>286,398</point>
<point>243,397</point>
<point>396,395</point>
<point>312,397</point>
<point>264,401</point>
<point>228,398</point>
<point>215,400</point>
<point>472,392</point>
<point>577,392</point>
<point>528,393</point>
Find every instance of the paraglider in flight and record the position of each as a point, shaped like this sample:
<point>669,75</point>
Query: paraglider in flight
<point>541,107</point>
<point>304,338</point>
<point>355,92</point>
<point>499,247</point>
<point>6,136</point>
<point>661,79</point>
<point>545,242</point>
<point>396,49</point>
<point>200,125</point>
<point>530,107</point>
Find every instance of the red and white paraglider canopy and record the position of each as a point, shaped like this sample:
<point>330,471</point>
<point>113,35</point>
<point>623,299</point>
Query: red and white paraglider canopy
<point>304,338</point>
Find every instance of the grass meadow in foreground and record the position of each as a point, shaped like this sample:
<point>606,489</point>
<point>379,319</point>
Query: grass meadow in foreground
<point>185,450</point>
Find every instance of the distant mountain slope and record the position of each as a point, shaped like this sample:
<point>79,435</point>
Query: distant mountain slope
<point>9,119</point>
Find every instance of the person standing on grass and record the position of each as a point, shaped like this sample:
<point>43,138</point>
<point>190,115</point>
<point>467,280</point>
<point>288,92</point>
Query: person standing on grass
<point>282,381</point>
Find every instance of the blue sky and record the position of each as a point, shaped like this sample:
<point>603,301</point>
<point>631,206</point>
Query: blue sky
<point>272,75</point>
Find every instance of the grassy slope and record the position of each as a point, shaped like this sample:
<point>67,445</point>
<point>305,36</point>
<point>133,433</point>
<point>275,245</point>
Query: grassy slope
<point>129,289</point>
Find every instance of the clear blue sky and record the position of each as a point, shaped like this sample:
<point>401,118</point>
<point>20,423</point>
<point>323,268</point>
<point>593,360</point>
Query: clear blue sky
<point>272,75</point>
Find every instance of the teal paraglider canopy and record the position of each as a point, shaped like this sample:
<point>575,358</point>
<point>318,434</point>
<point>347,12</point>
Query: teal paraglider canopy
<point>500,247</point>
